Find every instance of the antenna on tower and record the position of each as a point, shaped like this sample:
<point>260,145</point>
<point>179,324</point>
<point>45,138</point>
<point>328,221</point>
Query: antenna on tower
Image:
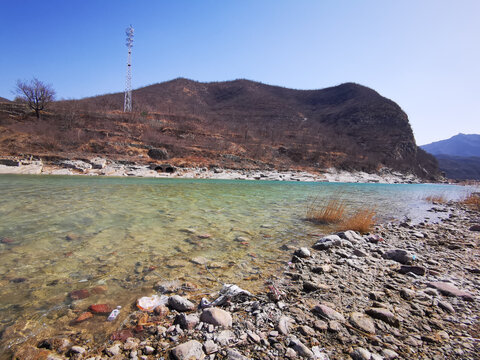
<point>127,106</point>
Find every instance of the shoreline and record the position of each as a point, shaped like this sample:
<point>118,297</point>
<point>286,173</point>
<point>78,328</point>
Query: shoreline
<point>104,167</point>
<point>404,291</point>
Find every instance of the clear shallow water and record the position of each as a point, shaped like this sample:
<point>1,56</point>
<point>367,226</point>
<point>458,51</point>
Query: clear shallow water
<point>71,233</point>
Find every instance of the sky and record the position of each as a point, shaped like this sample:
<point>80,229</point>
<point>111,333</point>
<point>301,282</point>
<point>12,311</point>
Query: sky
<point>422,54</point>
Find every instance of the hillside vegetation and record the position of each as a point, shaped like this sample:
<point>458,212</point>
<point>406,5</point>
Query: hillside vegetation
<point>236,124</point>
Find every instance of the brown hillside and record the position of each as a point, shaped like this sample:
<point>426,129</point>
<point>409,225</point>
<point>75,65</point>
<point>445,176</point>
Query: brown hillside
<point>237,123</point>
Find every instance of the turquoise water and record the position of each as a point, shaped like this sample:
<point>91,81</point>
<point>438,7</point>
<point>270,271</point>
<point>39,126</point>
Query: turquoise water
<point>69,233</point>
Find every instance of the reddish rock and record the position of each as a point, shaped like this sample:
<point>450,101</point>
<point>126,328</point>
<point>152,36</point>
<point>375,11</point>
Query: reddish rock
<point>79,294</point>
<point>138,329</point>
<point>99,289</point>
<point>84,316</point>
<point>121,335</point>
<point>204,236</point>
<point>161,311</point>
<point>100,309</point>
<point>6,240</point>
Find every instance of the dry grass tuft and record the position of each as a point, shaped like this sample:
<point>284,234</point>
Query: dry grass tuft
<point>362,221</point>
<point>473,201</point>
<point>436,199</point>
<point>330,213</point>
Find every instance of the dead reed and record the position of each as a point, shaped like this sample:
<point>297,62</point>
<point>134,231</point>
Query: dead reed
<point>362,221</point>
<point>473,201</point>
<point>330,213</point>
<point>436,199</point>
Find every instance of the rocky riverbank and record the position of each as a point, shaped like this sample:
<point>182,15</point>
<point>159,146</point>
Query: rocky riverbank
<point>104,167</point>
<point>405,291</point>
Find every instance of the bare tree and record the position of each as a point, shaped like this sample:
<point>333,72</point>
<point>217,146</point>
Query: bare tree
<point>35,93</point>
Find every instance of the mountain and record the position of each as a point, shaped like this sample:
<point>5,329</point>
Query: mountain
<point>243,123</point>
<point>462,145</point>
<point>458,157</point>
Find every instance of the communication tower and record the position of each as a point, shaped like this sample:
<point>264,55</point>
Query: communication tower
<point>127,106</point>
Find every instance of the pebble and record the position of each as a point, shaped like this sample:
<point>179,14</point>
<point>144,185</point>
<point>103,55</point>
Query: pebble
<point>187,322</point>
<point>407,294</point>
<point>327,242</point>
<point>303,252</point>
<point>389,354</point>
<point>445,305</point>
<point>83,317</point>
<point>235,355</point>
<point>217,317</point>
<point>190,350</point>
<point>362,322</point>
<point>360,353</point>
<point>399,255</point>
<point>148,350</point>
<point>284,324</point>
<point>300,348</point>
<point>327,312</point>
<point>78,350</point>
<point>79,294</point>
<point>384,315</point>
<point>450,289</point>
<point>210,347</point>
<point>417,270</point>
<point>179,303</point>
<point>113,350</point>
<point>100,309</point>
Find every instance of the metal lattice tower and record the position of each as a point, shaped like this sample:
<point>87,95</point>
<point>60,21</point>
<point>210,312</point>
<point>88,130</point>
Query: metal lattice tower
<point>127,106</point>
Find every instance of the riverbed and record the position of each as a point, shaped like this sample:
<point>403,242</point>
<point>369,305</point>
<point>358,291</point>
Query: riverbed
<point>122,235</point>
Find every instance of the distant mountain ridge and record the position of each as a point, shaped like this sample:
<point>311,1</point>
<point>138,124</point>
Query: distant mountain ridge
<point>458,145</point>
<point>458,157</point>
<point>243,123</point>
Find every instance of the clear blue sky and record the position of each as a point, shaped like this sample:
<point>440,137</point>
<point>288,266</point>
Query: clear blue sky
<point>423,54</point>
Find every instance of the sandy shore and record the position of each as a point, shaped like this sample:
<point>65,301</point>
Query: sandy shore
<point>405,291</point>
<point>103,167</point>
